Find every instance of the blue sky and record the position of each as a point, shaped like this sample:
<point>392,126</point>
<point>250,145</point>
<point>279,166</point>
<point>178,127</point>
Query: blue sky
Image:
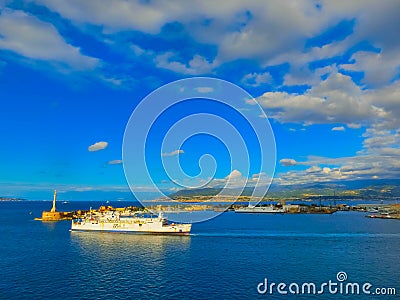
<point>326,73</point>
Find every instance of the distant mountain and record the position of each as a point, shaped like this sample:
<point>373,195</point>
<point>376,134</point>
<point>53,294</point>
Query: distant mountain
<point>196,192</point>
<point>209,192</point>
<point>11,199</point>
<point>348,189</point>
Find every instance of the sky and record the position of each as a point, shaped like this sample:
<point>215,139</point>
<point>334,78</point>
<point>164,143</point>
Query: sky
<point>325,73</point>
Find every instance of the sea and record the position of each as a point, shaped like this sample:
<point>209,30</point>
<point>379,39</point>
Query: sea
<point>233,256</point>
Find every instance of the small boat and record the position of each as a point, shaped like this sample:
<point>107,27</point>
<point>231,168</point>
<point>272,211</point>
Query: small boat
<point>383,216</point>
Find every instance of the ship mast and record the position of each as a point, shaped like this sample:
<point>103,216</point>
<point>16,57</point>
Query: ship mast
<point>53,209</point>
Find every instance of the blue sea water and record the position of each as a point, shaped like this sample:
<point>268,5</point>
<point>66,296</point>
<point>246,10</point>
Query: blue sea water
<point>225,258</point>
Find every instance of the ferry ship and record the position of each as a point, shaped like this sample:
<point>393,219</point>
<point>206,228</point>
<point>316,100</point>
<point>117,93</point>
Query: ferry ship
<point>260,209</point>
<point>138,222</point>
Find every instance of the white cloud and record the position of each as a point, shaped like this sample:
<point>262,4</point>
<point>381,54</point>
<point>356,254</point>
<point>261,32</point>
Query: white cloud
<point>326,170</point>
<point>238,29</point>
<point>235,179</point>
<point>235,174</point>
<point>380,158</point>
<point>197,65</point>
<point>205,89</point>
<point>374,24</point>
<point>372,65</point>
<point>313,169</point>
<point>336,99</point>
<point>35,39</point>
<point>173,153</point>
<point>260,179</point>
<point>268,32</point>
<point>313,174</point>
<point>115,162</point>
<point>377,139</point>
<point>288,162</point>
<point>338,128</point>
<point>258,175</point>
<point>137,50</point>
<point>387,105</point>
<point>272,27</point>
<point>354,126</point>
<point>115,15</point>
<point>300,74</point>
<point>112,81</point>
<point>97,146</point>
<point>149,17</point>
<point>257,79</point>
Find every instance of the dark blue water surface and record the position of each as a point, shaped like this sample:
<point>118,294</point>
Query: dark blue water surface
<point>225,258</point>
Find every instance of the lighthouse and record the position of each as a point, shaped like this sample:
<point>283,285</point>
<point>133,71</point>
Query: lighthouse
<point>53,215</point>
<point>53,209</point>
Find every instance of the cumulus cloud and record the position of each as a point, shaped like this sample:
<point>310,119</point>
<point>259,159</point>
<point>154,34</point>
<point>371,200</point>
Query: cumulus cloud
<point>372,64</point>
<point>173,153</point>
<point>28,36</point>
<point>114,15</point>
<point>235,179</point>
<point>252,37</point>
<point>338,128</point>
<point>257,79</point>
<point>249,30</point>
<point>310,175</point>
<point>354,126</point>
<point>380,158</point>
<point>115,162</point>
<point>97,146</point>
<point>234,175</point>
<point>259,179</point>
<point>205,89</point>
<point>340,101</point>
<point>238,30</point>
<point>258,175</point>
<point>288,162</point>
<point>337,99</point>
<point>313,169</point>
<point>197,65</point>
<point>334,100</point>
<point>235,34</point>
<point>137,50</point>
<point>377,139</point>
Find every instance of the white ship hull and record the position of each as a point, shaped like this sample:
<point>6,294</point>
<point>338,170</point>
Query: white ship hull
<point>260,209</point>
<point>157,225</point>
